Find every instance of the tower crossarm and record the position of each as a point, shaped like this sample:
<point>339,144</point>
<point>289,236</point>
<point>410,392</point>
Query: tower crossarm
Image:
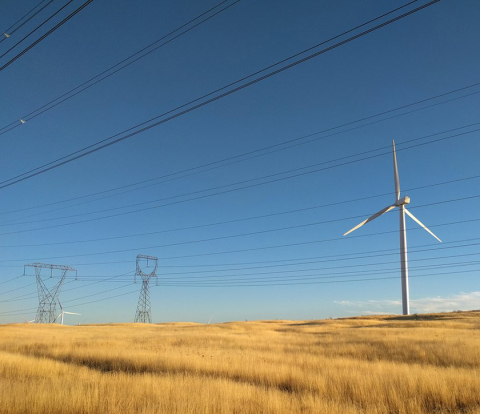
<point>141,258</point>
<point>51,266</point>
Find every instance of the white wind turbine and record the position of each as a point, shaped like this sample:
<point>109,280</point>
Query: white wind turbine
<point>27,321</point>
<point>400,203</point>
<point>62,313</point>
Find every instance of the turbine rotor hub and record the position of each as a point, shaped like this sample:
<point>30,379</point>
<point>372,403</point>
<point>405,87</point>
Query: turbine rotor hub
<point>403,201</point>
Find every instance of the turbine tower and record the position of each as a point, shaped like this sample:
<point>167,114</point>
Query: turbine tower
<point>48,291</point>
<point>400,203</point>
<point>144,309</point>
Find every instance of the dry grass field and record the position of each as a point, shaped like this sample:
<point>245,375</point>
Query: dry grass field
<point>426,364</point>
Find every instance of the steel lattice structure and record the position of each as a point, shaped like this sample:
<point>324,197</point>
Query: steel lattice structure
<point>144,309</point>
<point>48,296</point>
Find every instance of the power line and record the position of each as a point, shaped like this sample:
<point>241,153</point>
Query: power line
<point>13,290</point>
<point>33,294</point>
<point>333,275</point>
<point>105,279</point>
<point>104,144</point>
<point>317,282</point>
<point>9,280</point>
<point>9,33</point>
<point>295,274</point>
<point>11,313</point>
<point>250,180</point>
<point>44,35</point>
<point>218,187</point>
<point>260,150</point>
<point>332,258</point>
<point>80,304</point>
<point>16,123</point>
<point>185,275</point>
<point>249,234</point>
<point>82,86</point>
<point>36,28</point>
<point>344,256</point>
<point>239,220</point>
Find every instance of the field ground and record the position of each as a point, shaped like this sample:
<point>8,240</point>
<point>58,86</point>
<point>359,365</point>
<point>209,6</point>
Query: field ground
<point>381,364</point>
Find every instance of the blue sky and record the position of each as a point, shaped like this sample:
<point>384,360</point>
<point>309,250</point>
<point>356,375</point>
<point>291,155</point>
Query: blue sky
<point>427,54</point>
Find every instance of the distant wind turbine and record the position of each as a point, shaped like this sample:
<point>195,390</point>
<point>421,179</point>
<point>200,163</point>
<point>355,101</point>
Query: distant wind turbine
<point>210,320</point>
<point>62,313</point>
<point>27,321</point>
<point>400,203</point>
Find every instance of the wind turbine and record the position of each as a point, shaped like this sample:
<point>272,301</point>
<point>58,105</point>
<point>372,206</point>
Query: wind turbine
<point>27,321</point>
<point>400,203</point>
<point>62,313</point>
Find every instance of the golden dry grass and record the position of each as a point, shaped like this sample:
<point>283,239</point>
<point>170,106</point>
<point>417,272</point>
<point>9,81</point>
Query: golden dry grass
<point>357,365</point>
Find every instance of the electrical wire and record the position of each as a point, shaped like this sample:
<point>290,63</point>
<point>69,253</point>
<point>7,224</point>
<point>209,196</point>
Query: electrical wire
<point>297,274</point>
<point>12,313</point>
<point>31,295</point>
<point>27,117</point>
<point>313,259</point>
<point>13,290</point>
<point>330,258</point>
<point>44,35</point>
<point>21,18</point>
<point>186,275</point>
<point>9,280</point>
<point>31,115</point>
<point>321,282</point>
<point>249,234</point>
<point>333,275</point>
<point>238,220</point>
<point>9,33</point>
<point>259,150</point>
<point>67,301</point>
<point>36,28</point>
<point>399,145</point>
<point>104,144</point>
<point>217,193</point>
<point>335,257</point>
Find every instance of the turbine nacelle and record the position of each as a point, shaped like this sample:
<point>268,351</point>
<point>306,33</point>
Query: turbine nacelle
<point>403,201</point>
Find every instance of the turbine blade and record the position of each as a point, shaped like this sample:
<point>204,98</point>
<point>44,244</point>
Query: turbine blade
<point>72,313</point>
<point>383,211</point>
<point>421,224</point>
<point>395,173</point>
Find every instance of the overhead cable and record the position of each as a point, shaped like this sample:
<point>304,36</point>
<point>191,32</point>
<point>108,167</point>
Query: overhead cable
<point>83,86</point>
<point>104,143</point>
<point>244,235</point>
<point>251,152</point>
<point>8,33</point>
<point>44,35</point>
<point>273,180</point>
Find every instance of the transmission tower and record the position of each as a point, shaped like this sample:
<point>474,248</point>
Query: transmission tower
<point>48,291</point>
<point>144,309</point>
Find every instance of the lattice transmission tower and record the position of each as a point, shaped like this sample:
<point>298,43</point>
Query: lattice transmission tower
<point>48,289</point>
<point>144,308</point>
